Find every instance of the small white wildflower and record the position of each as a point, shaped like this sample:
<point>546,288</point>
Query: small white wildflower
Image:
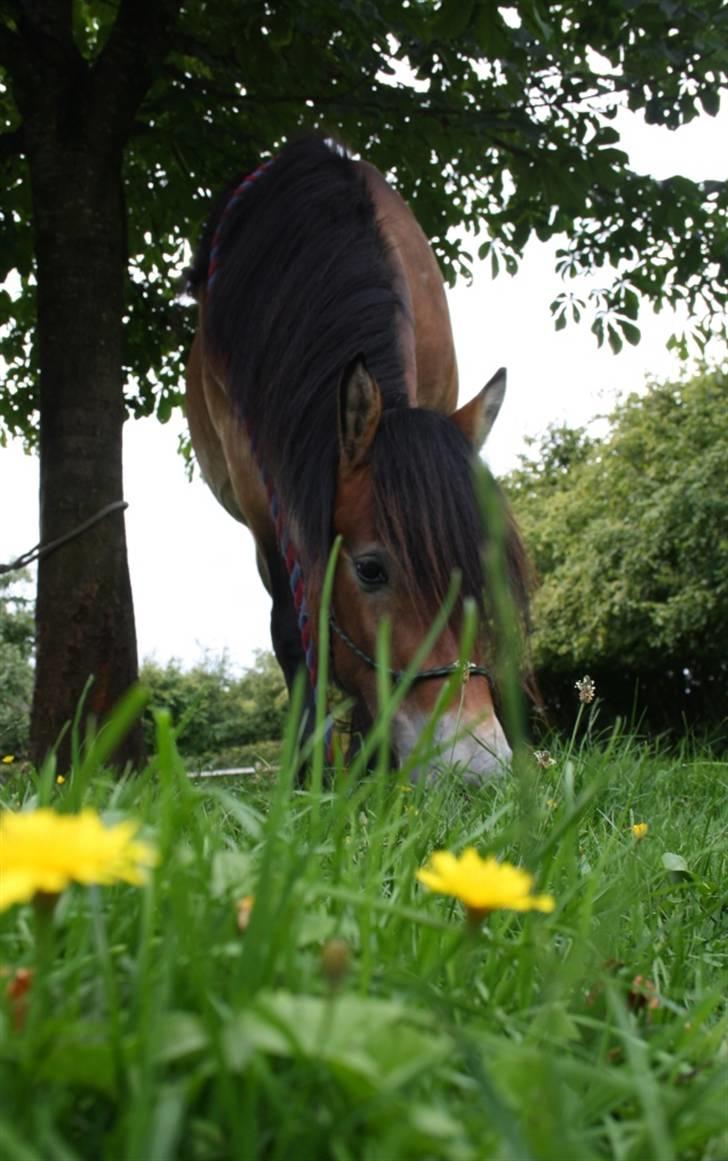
<point>586,688</point>
<point>544,759</point>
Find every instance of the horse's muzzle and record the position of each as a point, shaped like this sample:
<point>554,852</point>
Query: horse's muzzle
<point>476,753</point>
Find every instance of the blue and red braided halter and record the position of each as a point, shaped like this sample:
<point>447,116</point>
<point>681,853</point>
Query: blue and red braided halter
<point>289,553</point>
<point>286,545</point>
<point>235,197</point>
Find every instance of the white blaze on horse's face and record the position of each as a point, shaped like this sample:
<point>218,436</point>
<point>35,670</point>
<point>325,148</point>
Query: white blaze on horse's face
<point>369,588</point>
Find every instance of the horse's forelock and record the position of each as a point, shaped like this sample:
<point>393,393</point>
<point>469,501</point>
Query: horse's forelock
<point>428,514</point>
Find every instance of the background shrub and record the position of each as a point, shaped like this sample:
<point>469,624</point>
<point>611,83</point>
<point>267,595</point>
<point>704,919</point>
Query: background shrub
<point>629,536</point>
<point>221,719</point>
<point>16,670</point>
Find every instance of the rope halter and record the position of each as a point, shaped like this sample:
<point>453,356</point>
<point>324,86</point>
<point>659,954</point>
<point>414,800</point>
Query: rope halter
<point>467,668</point>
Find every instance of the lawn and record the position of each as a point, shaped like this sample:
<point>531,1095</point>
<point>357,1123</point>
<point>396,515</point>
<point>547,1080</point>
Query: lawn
<point>283,986</point>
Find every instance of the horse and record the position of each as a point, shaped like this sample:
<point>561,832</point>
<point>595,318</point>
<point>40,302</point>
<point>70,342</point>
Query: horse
<point>322,402</point>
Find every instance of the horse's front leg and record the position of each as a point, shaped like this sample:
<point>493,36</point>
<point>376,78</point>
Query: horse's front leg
<point>286,637</point>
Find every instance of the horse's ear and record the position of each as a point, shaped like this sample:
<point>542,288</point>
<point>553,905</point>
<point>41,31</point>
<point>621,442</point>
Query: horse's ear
<point>360,408</point>
<point>476,418</point>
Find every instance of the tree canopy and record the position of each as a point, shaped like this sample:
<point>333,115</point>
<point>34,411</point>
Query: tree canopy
<point>629,536</point>
<point>500,118</point>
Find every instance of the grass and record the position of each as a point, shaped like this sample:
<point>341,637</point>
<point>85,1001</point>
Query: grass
<point>358,1015</point>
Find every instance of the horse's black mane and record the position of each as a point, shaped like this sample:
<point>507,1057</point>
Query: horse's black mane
<point>303,286</point>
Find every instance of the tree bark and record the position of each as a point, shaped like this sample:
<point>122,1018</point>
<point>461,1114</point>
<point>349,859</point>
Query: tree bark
<point>84,612</point>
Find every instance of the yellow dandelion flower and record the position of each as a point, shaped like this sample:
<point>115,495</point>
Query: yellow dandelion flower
<point>640,829</point>
<point>60,779</point>
<point>41,850</point>
<point>8,759</point>
<point>482,885</point>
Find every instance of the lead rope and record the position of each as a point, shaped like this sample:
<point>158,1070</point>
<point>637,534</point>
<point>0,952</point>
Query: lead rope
<point>46,547</point>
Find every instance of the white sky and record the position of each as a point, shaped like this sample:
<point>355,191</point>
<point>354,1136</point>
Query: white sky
<point>193,568</point>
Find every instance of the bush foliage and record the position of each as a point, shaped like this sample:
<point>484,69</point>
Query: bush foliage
<point>16,672</point>
<point>629,535</point>
<point>222,719</point>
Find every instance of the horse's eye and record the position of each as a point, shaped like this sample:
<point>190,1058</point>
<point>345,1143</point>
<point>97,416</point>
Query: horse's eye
<point>370,572</point>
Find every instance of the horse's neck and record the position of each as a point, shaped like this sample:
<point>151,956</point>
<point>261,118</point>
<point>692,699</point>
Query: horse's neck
<point>425,332</point>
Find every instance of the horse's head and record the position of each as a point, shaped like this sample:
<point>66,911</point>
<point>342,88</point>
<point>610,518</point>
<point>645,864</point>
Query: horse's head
<point>408,515</point>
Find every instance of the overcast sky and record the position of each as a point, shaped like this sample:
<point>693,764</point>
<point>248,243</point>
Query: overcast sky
<point>193,568</point>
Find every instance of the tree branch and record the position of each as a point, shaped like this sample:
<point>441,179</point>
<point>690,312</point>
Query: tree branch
<point>130,61</point>
<point>12,53</point>
<point>50,19</point>
<point>42,53</point>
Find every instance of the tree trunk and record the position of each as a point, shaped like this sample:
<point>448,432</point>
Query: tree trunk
<point>84,613</point>
<point>76,116</point>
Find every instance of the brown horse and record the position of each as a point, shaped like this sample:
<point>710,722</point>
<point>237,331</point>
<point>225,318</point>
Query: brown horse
<point>321,397</point>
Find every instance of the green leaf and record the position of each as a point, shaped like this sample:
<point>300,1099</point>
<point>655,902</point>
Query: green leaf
<point>672,862</point>
<point>676,865</point>
<point>435,1122</point>
<point>164,408</point>
<point>710,100</point>
<point>246,816</point>
<point>232,872</point>
<point>490,32</point>
<point>453,18</point>
<point>180,1035</point>
<point>370,1044</point>
<point>314,926</point>
<point>14,1148</point>
<point>80,1055</point>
